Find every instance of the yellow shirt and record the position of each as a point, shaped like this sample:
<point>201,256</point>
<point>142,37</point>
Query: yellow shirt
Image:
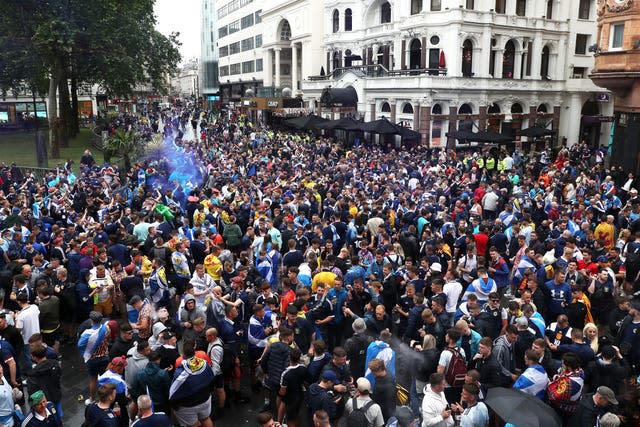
<point>326,277</point>
<point>606,232</point>
<point>213,266</point>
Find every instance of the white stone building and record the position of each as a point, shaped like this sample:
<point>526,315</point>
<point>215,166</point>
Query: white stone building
<point>439,65</point>
<point>208,81</point>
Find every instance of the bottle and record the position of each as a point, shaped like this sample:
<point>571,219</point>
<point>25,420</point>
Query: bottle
<point>116,410</point>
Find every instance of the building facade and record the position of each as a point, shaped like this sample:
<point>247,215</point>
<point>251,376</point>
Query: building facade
<point>617,68</point>
<point>239,36</point>
<point>185,83</point>
<point>208,72</point>
<point>441,65</point>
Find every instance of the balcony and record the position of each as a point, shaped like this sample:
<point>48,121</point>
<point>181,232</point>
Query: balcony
<point>617,70</point>
<point>376,71</point>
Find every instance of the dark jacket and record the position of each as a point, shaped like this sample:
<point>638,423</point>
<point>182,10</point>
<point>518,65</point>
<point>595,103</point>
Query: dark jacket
<point>315,367</point>
<point>611,374</point>
<point>319,398</point>
<point>274,362</point>
<point>586,413</point>
<point>120,347</point>
<point>45,376</point>
<point>384,394</point>
<point>356,349</point>
<point>156,379</point>
<point>490,373</point>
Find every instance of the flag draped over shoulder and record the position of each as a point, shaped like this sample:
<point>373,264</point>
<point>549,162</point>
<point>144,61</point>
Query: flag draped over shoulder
<point>191,376</point>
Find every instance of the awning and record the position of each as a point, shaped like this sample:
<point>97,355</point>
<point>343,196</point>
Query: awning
<point>335,97</point>
<point>345,123</point>
<point>381,126</point>
<point>536,132</point>
<point>306,122</point>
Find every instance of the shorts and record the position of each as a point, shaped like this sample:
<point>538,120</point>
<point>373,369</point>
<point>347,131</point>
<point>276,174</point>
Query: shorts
<point>105,308</point>
<point>292,410</point>
<point>97,366</point>
<point>50,338</point>
<point>188,416</point>
<point>218,381</point>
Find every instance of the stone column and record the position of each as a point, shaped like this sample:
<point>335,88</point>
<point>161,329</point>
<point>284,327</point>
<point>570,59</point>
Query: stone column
<point>485,54</point>
<point>575,106</point>
<point>425,124</point>
<point>517,65</point>
<point>373,111</point>
<point>482,121</point>
<point>536,56</point>
<point>392,103</point>
<point>277,73</point>
<point>453,126</point>
<point>267,69</point>
<point>294,68</point>
<point>498,64</point>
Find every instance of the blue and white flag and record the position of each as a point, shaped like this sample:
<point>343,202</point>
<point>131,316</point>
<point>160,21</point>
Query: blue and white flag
<point>534,381</point>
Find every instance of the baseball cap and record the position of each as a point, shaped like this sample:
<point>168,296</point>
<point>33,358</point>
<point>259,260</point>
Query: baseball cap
<point>608,394</point>
<point>436,266</point>
<point>363,384</point>
<point>602,258</point>
<point>37,397</point>
<point>329,375</point>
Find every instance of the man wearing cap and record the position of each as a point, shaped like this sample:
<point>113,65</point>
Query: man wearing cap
<point>320,397</point>
<point>592,406</point>
<point>94,347</point>
<point>362,400</point>
<point>43,413</point>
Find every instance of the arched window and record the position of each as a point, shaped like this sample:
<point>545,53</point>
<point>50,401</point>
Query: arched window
<point>493,109</point>
<point>493,119</point>
<point>337,59</point>
<point>542,108</point>
<point>285,31</point>
<point>521,7</point>
<point>467,58</point>
<point>544,64</point>
<point>416,6</point>
<point>407,109</point>
<point>347,19</point>
<point>336,21</point>
<point>385,13</point>
<point>549,14</point>
<point>516,108</point>
<point>508,60</point>
<point>465,109</point>
<point>436,109</point>
<point>415,54</point>
<point>385,107</point>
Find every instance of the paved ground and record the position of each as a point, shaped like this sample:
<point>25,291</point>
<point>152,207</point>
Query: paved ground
<point>75,383</point>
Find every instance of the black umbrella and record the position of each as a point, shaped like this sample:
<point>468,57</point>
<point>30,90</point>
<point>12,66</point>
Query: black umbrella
<point>345,123</point>
<point>382,126</point>
<point>521,409</point>
<point>305,122</point>
<point>537,132</point>
<point>409,134</point>
<point>491,137</point>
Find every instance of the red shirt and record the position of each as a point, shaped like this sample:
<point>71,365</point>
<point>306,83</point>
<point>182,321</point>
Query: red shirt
<point>482,240</point>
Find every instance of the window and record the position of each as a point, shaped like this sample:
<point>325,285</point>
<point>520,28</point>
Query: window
<point>416,6</point>
<point>246,44</point>
<point>246,21</point>
<point>222,12</point>
<point>234,69</point>
<point>500,6</point>
<point>348,20</point>
<point>617,36</point>
<point>259,40</point>
<point>258,15</point>
<point>521,7</point>
<point>434,40</point>
<point>234,27</point>
<point>224,70</point>
<point>234,5</point>
<point>549,14</point>
<point>579,72</point>
<point>385,13</point>
<point>469,5</point>
<point>467,58</point>
<point>436,5</point>
<point>234,48</point>
<point>223,51</point>
<point>544,63</point>
<point>245,2</point>
<point>508,60</point>
<point>582,41</point>
<point>385,108</point>
<point>335,21</point>
<point>259,64</point>
<point>285,31</point>
<point>437,109</point>
<point>407,109</point>
<point>222,32</point>
<point>584,9</point>
<point>247,67</point>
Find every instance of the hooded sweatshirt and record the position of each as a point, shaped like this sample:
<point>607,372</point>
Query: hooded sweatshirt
<point>154,379</point>
<point>45,376</point>
<point>318,398</point>
<point>135,363</point>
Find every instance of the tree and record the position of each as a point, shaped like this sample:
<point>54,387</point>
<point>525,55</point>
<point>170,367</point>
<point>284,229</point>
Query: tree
<point>124,144</point>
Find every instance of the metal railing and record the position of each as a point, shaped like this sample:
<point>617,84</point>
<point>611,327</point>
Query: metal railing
<point>377,70</point>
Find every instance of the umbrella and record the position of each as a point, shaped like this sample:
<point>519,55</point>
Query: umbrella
<point>443,62</point>
<point>488,136</point>
<point>409,134</point>
<point>345,123</point>
<point>521,409</point>
<point>306,122</point>
<point>536,131</point>
<point>381,126</point>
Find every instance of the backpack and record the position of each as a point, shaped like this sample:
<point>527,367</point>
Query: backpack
<point>357,416</point>
<point>456,370</point>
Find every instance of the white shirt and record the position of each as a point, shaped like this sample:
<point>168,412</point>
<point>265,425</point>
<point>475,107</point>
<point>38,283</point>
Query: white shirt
<point>476,416</point>
<point>28,322</point>
<point>452,290</point>
<point>432,406</point>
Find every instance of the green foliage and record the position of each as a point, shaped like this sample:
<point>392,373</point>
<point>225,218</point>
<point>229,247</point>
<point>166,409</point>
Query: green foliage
<point>124,144</point>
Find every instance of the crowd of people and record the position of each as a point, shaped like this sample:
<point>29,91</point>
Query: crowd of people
<point>339,283</point>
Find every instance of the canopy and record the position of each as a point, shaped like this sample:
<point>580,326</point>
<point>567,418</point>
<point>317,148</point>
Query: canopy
<point>462,135</point>
<point>382,126</point>
<point>345,123</point>
<point>488,136</point>
<point>536,132</point>
<point>306,122</point>
<point>409,135</point>
<point>335,97</point>
<point>521,409</point>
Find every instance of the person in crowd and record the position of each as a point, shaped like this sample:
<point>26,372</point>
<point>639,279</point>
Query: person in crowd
<point>42,413</point>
